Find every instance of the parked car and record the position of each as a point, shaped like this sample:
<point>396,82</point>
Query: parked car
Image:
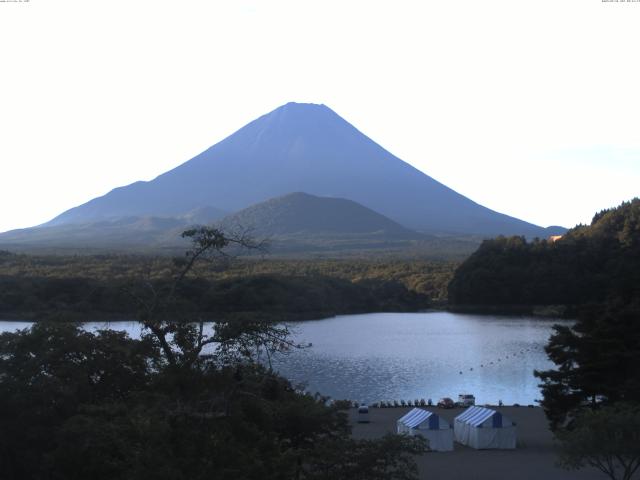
<point>466,400</point>
<point>363,414</point>
<point>446,402</point>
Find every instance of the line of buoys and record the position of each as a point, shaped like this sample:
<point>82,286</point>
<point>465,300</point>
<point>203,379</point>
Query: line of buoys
<point>513,356</point>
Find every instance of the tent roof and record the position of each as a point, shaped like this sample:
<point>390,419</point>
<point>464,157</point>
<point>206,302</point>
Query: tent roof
<point>476,416</point>
<point>415,417</point>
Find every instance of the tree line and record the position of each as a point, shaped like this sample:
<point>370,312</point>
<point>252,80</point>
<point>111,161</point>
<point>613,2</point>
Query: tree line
<point>589,264</point>
<point>83,287</point>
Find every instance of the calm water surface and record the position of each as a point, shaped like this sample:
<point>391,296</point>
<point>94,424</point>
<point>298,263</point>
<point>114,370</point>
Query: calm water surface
<point>387,356</point>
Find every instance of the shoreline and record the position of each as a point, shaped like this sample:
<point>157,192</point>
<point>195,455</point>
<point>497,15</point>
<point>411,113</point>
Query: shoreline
<point>565,312</point>
<point>540,311</point>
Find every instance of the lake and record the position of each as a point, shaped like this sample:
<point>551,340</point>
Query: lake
<point>393,356</point>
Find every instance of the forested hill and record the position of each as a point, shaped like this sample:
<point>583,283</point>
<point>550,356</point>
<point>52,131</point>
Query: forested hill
<point>303,214</point>
<point>590,263</point>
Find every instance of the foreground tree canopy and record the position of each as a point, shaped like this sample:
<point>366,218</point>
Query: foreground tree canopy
<point>607,439</point>
<point>596,363</point>
<point>182,402</point>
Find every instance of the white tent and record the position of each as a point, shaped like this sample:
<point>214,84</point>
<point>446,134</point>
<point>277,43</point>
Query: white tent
<point>482,428</point>
<point>431,426</point>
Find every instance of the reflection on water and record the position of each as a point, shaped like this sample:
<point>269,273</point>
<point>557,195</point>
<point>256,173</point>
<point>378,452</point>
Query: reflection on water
<point>387,356</point>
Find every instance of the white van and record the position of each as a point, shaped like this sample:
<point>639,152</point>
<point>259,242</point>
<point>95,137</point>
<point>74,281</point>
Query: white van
<point>466,400</point>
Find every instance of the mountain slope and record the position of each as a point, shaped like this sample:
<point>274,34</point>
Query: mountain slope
<point>303,223</point>
<point>144,231</point>
<point>112,232</point>
<point>294,224</point>
<point>305,215</point>
<point>302,147</point>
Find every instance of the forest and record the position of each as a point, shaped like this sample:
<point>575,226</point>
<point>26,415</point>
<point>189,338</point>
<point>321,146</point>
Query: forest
<point>589,264</point>
<point>81,287</point>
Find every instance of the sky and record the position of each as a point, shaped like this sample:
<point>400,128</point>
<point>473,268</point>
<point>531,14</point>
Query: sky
<point>528,107</point>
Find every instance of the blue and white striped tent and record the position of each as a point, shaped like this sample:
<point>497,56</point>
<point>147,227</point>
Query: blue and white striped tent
<point>430,425</point>
<point>481,428</point>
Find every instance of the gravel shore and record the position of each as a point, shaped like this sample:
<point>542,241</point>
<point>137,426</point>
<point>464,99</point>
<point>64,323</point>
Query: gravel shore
<point>533,459</point>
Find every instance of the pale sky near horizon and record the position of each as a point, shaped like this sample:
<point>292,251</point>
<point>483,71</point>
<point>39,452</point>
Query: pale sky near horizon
<point>531,108</point>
